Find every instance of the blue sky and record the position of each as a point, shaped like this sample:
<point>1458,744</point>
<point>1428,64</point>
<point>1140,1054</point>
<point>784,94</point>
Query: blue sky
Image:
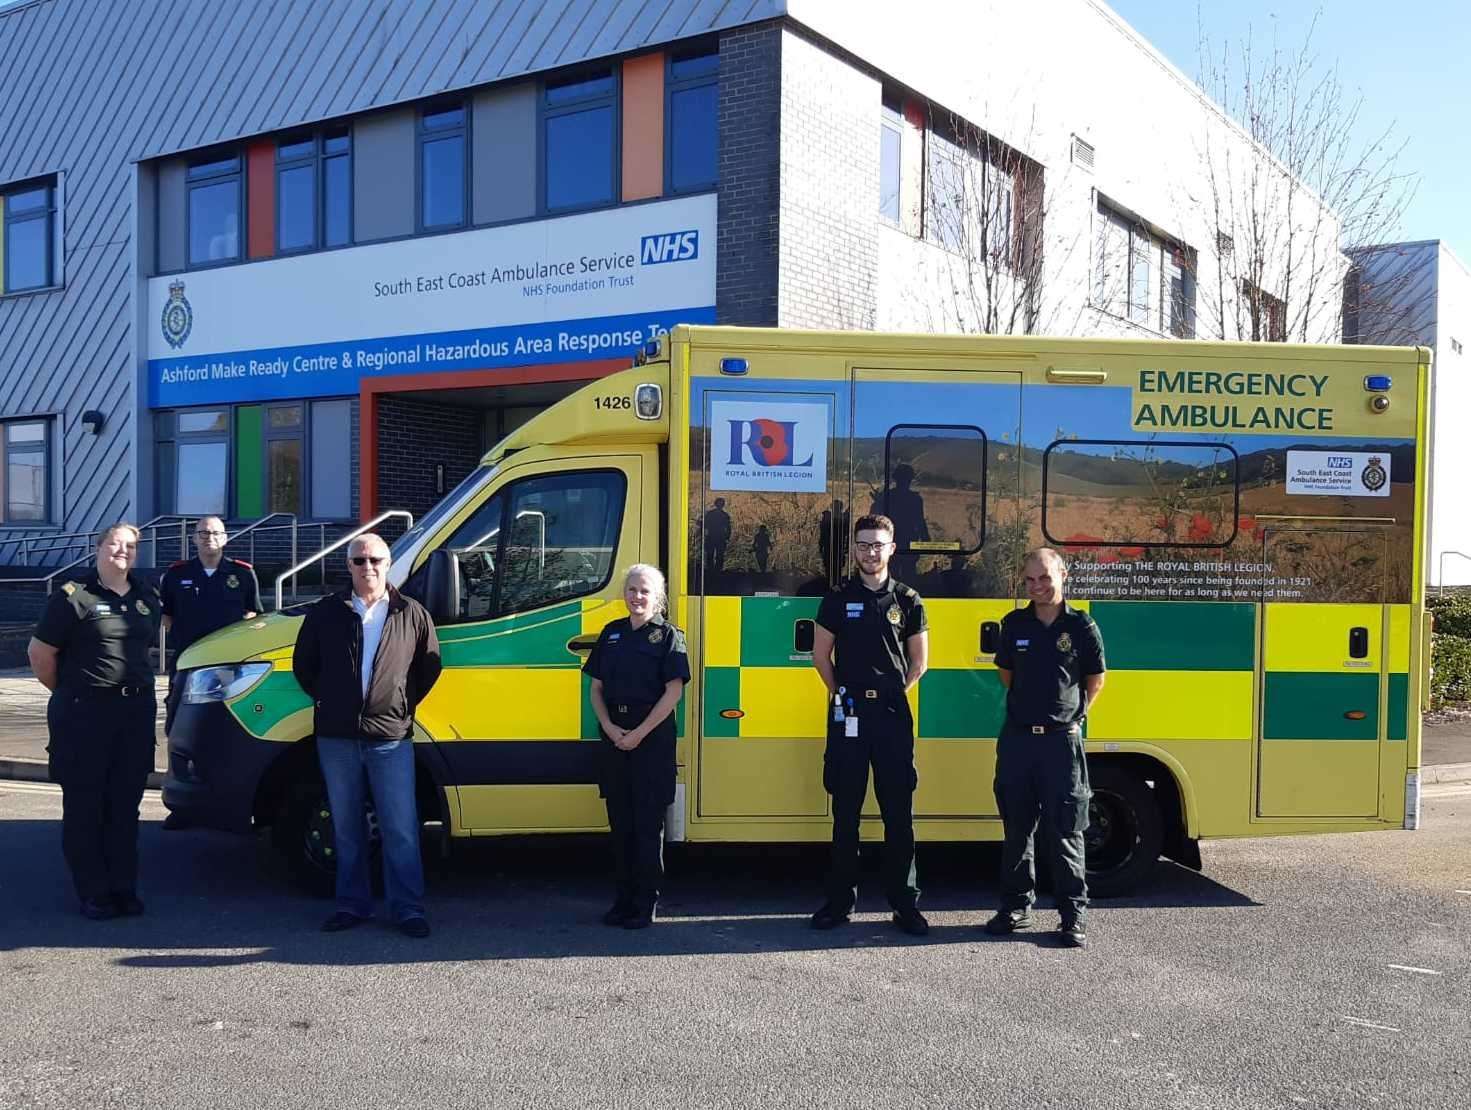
<point>1410,59</point>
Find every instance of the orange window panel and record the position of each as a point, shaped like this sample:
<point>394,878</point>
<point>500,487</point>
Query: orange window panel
<point>643,127</point>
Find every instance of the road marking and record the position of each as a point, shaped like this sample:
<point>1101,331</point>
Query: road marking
<point>1445,789</point>
<point>1463,892</point>
<point>1416,970</point>
<point>29,788</point>
<point>1370,1024</point>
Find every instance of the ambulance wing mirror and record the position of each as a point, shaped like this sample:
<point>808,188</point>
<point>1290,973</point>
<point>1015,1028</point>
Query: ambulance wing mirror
<point>990,633</point>
<point>804,637</point>
<point>442,590</point>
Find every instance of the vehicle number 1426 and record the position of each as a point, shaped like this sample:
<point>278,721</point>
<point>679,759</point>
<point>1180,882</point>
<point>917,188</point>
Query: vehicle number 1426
<point>612,403</point>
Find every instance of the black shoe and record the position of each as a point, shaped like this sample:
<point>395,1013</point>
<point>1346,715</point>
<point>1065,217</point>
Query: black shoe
<point>617,914</point>
<point>128,905</point>
<point>1073,934</point>
<point>828,918</point>
<point>176,821</point>
<point>1009,921</point>
<point>342,920</point>
<point>639,919</point>
<point>98,909</point>
<point>417,927</point>
<point>912,922</point>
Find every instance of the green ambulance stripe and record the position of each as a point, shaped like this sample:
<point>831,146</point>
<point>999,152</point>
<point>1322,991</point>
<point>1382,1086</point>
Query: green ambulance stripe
<point>525,640</point>
<point>1177,635</point>
<point>1309,705</point>
<point>279,695</point>
<point>1399,707</point>
<point>768,627</point>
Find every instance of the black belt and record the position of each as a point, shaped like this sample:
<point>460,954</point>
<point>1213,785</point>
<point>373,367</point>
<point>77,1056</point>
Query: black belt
<point>114,691</point>
<point>632,706</point>
<point>1045,730</point>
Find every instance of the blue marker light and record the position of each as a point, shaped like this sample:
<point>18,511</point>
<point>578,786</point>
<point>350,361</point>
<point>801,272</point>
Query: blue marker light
<point>1378,383</point>
<point>733,366</point>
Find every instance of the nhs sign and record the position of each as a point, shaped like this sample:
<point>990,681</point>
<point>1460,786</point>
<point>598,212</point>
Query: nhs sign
<point>672,246</point>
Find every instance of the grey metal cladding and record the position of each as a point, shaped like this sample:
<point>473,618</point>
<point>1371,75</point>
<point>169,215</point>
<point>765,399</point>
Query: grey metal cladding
<point>171,199</point>
<point>503,146</point>
<point>383,154</point>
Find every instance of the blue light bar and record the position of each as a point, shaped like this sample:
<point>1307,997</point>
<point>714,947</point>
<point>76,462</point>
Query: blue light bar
<point>651,348</point>
<point>1378,383</point>
<point>733,366</point>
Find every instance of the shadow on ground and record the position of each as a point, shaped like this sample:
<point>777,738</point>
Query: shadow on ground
<point>220,900</point>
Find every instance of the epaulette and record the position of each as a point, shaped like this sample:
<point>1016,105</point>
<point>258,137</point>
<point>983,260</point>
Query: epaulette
<point>68,588</point>
<point>178,563</point>
<point>905,591</point>
<point>242,563</point>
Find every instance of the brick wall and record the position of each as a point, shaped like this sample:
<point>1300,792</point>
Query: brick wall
<point>750,165</point>
<point>415,435</point>
<point>829,189</point>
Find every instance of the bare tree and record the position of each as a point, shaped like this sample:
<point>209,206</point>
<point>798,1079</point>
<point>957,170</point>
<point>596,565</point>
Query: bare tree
<point>1289,207</point>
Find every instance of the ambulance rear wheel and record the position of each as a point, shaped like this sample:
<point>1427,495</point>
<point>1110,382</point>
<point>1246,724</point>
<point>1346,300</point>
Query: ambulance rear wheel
<point>1125,831</point>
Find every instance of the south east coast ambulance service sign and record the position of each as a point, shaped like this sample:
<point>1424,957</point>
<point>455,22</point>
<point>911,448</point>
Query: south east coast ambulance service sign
<point>592,285</point>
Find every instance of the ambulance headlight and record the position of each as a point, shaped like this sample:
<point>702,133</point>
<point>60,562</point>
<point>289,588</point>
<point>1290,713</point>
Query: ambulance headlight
<point>223,683</point>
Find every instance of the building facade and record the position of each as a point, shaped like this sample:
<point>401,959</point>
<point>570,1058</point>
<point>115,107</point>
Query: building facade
<point>1420,294</point>
<point>312,258</point>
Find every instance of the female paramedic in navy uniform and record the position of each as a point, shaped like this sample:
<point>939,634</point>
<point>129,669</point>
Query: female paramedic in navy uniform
<point>638,669</point>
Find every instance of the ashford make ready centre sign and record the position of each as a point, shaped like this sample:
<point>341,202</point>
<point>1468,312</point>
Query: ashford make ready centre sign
<point>594,285</point>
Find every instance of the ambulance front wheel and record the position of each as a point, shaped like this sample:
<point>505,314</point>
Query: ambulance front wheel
<point>1125,831</point>
<point>302,834</point>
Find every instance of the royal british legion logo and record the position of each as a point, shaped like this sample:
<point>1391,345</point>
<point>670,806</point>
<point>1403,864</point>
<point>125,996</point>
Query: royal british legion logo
<point>178,316</point>
<point>769,442</point>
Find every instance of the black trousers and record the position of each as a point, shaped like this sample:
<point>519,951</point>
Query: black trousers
<point>101,753</point>
<point>885,742</point>
<point>171,701</point>
<point>638,787</point>
<point>1042,792</point>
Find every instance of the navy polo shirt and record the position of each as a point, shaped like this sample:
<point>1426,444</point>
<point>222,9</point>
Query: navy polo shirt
<point>1048,664</point>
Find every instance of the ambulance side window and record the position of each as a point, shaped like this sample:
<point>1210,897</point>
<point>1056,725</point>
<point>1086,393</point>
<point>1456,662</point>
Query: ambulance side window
<point>1138,494</point>
<point>561,538</point>
<point>476,540</point>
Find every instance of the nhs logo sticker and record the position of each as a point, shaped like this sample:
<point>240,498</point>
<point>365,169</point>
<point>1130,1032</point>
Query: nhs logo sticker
<point>671,246</point>
<point>769,446</point>
<point>1335,474</point>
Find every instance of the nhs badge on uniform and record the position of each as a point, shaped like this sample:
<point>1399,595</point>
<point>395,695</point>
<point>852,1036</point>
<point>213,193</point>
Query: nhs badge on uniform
<point>855,610</point>
<point>1022,644</point>
<point>613,637</point>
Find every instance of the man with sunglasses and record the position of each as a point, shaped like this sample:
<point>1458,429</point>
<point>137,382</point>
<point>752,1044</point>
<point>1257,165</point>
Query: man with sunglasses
<point>870,646</point>
<point>202,595</point>
<point>367,656</point>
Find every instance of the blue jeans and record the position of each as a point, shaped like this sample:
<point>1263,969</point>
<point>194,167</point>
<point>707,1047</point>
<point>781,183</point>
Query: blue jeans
<point>387,769</point>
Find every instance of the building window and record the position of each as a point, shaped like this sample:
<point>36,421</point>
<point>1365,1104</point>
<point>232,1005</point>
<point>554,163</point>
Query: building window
<point>969,196</point>
<point>580,141</point>
<point>314,191</point>
<point>1142,276</point>
<point>28,213</point>
<point>693,120</point>
<point>285,440</point>
<point>26,445</point>
<point>193,461</point>
<point>1266,314</point>
<point>216,212</point>
<point>891,136</point>
<point>444,170</point>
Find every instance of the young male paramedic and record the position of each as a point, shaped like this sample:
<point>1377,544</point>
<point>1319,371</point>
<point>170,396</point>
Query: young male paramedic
<point>877,628</point>
<point>1050,659</point>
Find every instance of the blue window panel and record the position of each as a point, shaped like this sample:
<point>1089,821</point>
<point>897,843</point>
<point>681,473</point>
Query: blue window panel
<point>697,65</point>
<point>296,221</point>
<point>579,158</point>
<point>569,92</point>
<point>444,181</point>
<point>211,169</point>
<point>440,121</point>
<point>694,133</point>
<point>289,152</point>
<point>27,254</point>
<point>336,201</point>
<point>214,222</point>
<point>33,200</point>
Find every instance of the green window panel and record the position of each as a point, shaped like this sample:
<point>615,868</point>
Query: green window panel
<point>722,690</point>
<point>1397,726</point>
<point>961,703</point>
<point>766,630</point>
<point>1177,635</point>
<point>250,496</point>
<point>1310,705</point>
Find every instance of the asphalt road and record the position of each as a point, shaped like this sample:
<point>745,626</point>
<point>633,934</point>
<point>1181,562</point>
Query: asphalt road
<point>1309,972</point>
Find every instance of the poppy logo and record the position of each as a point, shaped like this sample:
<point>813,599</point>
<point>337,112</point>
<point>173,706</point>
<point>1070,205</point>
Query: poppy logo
<point>769,442</point>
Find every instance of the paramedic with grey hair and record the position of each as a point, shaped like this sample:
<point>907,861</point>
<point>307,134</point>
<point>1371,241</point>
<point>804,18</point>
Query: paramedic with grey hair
<point>1050,659</point>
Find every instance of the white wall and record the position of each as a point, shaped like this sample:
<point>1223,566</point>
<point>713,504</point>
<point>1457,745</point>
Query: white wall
<point>1450,512</point>
<point>1034,75</point>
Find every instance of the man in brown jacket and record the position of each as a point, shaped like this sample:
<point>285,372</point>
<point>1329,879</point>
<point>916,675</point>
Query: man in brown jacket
<point>367,656</point>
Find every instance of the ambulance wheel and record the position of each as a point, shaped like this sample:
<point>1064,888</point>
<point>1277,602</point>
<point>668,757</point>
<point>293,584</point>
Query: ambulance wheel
<point>1125,831</point>
<point>302,834</point>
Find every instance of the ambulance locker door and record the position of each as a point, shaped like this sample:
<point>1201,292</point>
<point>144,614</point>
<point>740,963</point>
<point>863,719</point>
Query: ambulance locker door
<point>937,451</point>
<point>763,506</point>
<point>1324,673</point>
<point>539,578</point>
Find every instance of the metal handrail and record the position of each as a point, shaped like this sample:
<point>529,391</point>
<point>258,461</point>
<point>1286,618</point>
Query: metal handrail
<point>250,530</point>
<point>1440,568</point>
<point>322,554</point>
<point>49,541</point>
<point>49,579</point>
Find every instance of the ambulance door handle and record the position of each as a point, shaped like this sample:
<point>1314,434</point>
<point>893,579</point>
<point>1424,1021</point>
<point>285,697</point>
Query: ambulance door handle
<point>1358,643</point>
<point>990,632</point>
<point>804,637</point>
<point>579,644</point>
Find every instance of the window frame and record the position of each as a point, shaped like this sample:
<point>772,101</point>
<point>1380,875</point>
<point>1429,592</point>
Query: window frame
<point>985,469</point>
<point>1160,253</point>
<point>50,470</point>
<point>422,137</point>
<point>192,183</point>
<point>1065,545</point>
<point>48,213</point>
<point>271,435</point>
<point>891,119</point>
<point>673,85</point>
<point>612,100</point>
<point>168,501</point>
<point>316,160</point>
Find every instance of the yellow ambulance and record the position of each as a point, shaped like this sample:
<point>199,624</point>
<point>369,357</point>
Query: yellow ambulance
<point>1246,523</point>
